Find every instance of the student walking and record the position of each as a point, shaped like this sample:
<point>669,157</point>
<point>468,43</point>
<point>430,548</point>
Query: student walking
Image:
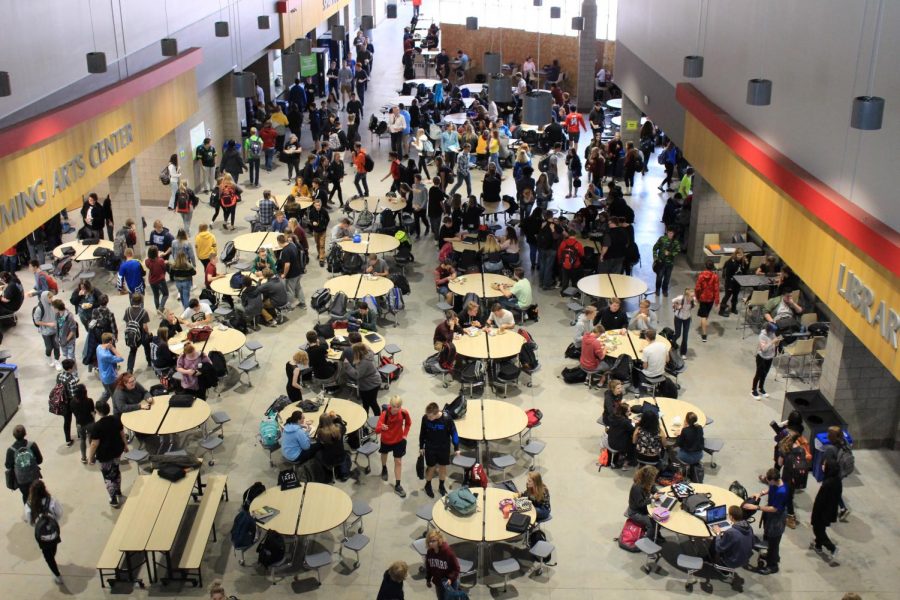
<point>436,435</point>
<point>82,408</point>
<point>393,426</point>
<point>825,512</point>
<point>44,513</point>
<point>108,443</point>
<point>23,458</point>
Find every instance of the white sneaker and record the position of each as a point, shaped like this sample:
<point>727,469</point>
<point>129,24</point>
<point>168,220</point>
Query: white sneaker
<point>51,363</point>
<point>58,366</point>
<point>755,395</point>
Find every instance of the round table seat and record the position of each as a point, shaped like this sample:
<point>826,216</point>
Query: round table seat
<point>611,286</point>
<point>472,284</point>
<point>358,286</point>
<point>225,341</point>
<point>371,243</point>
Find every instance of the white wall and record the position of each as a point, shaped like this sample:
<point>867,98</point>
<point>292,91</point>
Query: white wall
<point>817,54</point>
<point>43,44</point>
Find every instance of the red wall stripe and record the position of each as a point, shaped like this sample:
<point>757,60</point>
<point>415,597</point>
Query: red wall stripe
<point>879,241</point>
<point>24,135</point>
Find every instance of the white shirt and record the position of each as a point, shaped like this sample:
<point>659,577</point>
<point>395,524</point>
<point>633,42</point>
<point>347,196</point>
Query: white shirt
<point>639,324</point>
<point>601,75</point>
<point>201,315</point>
<point>174,173</point>
<point>396,124</point>
<point>655,356</point>
<point>521,88</point>
<point>682,309</point>
<point>506,318</point>
<point>55,510</point>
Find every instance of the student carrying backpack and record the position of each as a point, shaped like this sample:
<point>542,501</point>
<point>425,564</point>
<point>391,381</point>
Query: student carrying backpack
<point>134,329</point>
<point>22,463</point>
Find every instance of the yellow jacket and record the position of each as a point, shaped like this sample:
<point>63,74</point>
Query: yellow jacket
<point>482,146</point>
<point>205,243</point>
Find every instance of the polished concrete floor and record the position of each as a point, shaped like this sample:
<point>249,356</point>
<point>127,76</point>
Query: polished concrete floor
<point>587,505</point>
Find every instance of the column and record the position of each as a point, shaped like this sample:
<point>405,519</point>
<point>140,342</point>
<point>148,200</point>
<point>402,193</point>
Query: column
<point>860,389</point>
<point>587,57</point>
<point>710,213</point>
<point>125,194</point>
<point>630,114</point>
<point>262,68</point>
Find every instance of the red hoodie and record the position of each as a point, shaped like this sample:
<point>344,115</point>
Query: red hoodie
<point>393,428</point>
<point>441,565</point>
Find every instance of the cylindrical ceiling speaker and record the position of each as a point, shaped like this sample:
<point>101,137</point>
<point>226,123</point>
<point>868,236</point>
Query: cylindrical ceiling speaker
<point>538,2</point>
<point>867,113</point>
<point>536,108</point>
<point>367,22</point>
<point>290,66</point>
<point>555,12</point>
<point>262,21</point>
<point>5,87</point>
<point>96,62</point>
<point>169,46</point>
<point>391,11</point>
<point>243,84</point>
<point>759,92</point>
<point>500,89</point>
<point>303,46</point>
<point>338,33</point>
<point>221,28</point>
<point>493,63</point>
<point>693,66</point>
<point>472,23</point>
<point>578,23</point>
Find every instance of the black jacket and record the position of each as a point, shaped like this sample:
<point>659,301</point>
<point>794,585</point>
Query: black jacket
<point>690,439</point>
<point>436,436</point>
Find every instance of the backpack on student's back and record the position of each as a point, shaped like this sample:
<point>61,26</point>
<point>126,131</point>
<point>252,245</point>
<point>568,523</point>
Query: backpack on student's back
<point>632,531</point>
<point>796,468</point>
<point>461,502</point>
<point>846,460</point>
<point>25,465</point>
<point>58,402</point>
<point>395,301</point>
<point>255,148</point>
<point>134,331</point>
<point>369,163</point>
<point>271,549</point>
<point>243,530</point>
<point>46,528</point>
<point>269,432</point>
<point>37,313</point>
<point>164,176</point>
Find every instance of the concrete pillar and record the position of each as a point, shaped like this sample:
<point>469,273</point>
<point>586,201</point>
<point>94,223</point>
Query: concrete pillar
<point>265,75</point>
<point>630,112</point>
<point>233,112</point>
<point>861,390</point>
<point>125,193</point>
<point>710,213</point>
<point>587,57</point>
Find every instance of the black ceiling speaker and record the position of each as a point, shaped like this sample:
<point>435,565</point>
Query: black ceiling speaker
<point>221,28</point>
<point>472,23</point>
<point>96,62</point>
<point>169,46</point>
<point>262,21</point>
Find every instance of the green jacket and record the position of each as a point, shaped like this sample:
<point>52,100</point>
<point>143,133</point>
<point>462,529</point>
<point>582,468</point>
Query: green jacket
<point>663,244</point>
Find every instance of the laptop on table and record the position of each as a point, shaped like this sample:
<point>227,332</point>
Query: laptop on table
<point>717,516</point>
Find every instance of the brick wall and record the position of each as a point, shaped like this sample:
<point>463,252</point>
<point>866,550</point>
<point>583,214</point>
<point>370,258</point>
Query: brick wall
<point>710,213</point>
<point>515,46</point>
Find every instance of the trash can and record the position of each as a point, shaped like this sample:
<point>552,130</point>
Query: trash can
<point>819,443</point>
<point>9,393</point>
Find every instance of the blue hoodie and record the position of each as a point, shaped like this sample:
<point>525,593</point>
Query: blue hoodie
<point>294,440</point>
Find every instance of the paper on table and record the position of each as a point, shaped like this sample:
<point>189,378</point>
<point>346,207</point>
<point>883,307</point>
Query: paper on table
<point>176,348</point>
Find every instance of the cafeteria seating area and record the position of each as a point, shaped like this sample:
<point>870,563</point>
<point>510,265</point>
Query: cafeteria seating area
<point>169,540</point>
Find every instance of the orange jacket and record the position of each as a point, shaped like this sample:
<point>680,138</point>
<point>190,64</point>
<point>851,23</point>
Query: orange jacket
<point>359,161</point>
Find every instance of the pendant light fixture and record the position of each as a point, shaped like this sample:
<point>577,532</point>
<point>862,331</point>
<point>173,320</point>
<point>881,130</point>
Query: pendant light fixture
<point>391,11</point>
<point>555,12</point>
<point>96,61</point>
<point>262,21</point>
<point>221,28</point>
<point>538,2</point>
<point>169,46</point>
<point>243,84</point>
<point>578,23</point>
<point>868,111</point>
<point>338,33</point>
<point>367,22</point>
<point>303,46</point>
<point>472,23</point>
<point>693,63</point>
<point>5,87</point>
<point>493,62</point>
<point>759,89</point>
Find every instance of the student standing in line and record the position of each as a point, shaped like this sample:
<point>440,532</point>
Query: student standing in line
<point>24,459</point>
<point>83,410</point>
<point>44,513</point>
<point>825,512</point>
<point>393,426</point>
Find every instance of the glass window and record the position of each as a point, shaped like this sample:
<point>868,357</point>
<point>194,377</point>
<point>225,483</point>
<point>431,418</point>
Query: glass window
<point>523,15</point>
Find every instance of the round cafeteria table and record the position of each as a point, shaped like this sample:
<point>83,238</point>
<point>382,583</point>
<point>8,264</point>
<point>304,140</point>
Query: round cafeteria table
<point>611,286</point>
<point>222,285</point>
<point>371,243</point>
<point>376,346</point>
<point>498,421</point>
<point>669,409</point>
<point>225,340</point>
<point>614,103</point>
<point>251,242</point>
<point>494,208</point>
<point>617,121</point>
<point>482,345</point>
<point>462,246</point>
<point>469,527</point>
<point>351,412</point>
<point>161,419</point>
<point>686,524</point>
<point>429,83</point>
<point>357,286</point>
<point>377,205</point>
<point>474,88</point>
<point>308,509</point>
<point>616,344</point>
<point>456,118</point>
<point>82,252</point>
<point>471,284</point>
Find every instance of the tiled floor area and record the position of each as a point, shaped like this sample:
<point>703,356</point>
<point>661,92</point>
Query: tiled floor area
<point>587,505</point>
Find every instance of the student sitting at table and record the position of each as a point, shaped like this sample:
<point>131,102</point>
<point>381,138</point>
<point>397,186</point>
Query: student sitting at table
<point>444,272</point>
<point>300,189</point>
<point>538,494</point>
<point>734,546</point>
<point>471,214</point>
<point>619,433</point>
<point>783,311</point>
<point>280,223</point>
<point>318,357</point>
<point>492,255</point>
<point>583,324</point>
<point>274,293</point>
<point>615,393</point>
<point>444,333</point>
<point>593,352</point>
<point>375,266</point>
<point>130,395</point>
<point>643,490</point>
<point>161,357</point>
<point>171,322</point>
<point>690,441</point>
<point>264,259</point>
<point>769,267</point>
<point>197,314</point>
<point>500,318</point>
<point>363,317</point>
<point>295,444</point>
<point>644,318</point>
<point>471,316</point>
<point>518,295</point>
<point>648,444</point>
<point>613,316</point>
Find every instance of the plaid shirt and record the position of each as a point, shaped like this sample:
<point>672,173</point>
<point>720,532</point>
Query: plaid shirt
<point>69,381</point>
<point>267,210</point>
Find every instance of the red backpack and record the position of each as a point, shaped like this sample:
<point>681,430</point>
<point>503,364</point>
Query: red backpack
<point>228,197</point>
<point>534,417</point>
<point>58,400</point>
<point>447,357</point>
<point>478,476</point>
<point>387,360</point>
<point>632,531</point>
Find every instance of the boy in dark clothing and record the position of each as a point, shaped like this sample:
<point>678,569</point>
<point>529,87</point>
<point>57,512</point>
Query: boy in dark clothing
<point>734,546</point>
<point>435,437</point>
<point>26,470</point>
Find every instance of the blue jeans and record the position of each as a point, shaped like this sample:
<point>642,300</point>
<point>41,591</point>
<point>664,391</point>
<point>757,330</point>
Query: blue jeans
<point>460,178</point>
<point>689,458</point>
<point>184,291</point>
<point>441,588</point>
<point>270,154</point>
<point>547,260</point>
<point>542,513</point>
<point>509,303</point>
<point>682,327</point>
<point>364,189</point>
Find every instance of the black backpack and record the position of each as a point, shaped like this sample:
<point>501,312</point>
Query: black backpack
<point>320,300</point>
<point>457,408</point>
<point>574,375</point>
<point>46,529</point>
<point>334,262</point>
<point>218,362</point>
<point>229,253</point>
<point>796,469</point>
<point>243,530</point>
<point>528,357</point>
<point>352,263</point>
<point>324,330</point>
<point>507,369</point>
<point>271,549</point>
<point>134,330</point>
<point>338,305</point>
<point>621,369</point>
<point>401,282</point>
<point>251,493</point>
<point>369,163</point>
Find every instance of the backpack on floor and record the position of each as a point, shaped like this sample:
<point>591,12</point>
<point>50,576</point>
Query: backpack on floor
<point>447,356</point>
<point>334,261</point>
<point>738,490</point>
<point>432,364</point>
<point>476,476</point>
<point>338,307</point>
<point>364,219</point>
<point>573,375</point>
<point>401,282</point>
<point>395,300</point>
<point>243,530</point>
<point>62,267</point>
<point>320,300</point>
<point>58,402</point>
<point>370,301</point>
<point>621,369</point>
<point>269,432</point>
<point>528,357</point>
<point>632,531</point>
<point>219,364</point>
<point>534,417</point>
<point>507,369</point>
<point>278,405</point>
<point>573,351</point>
<point>271,549</point>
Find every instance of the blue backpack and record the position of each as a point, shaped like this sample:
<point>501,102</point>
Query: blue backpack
<point>243,530</point>
<point>269,432</point>
<point>395,300</point>
<point>370,301</point>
